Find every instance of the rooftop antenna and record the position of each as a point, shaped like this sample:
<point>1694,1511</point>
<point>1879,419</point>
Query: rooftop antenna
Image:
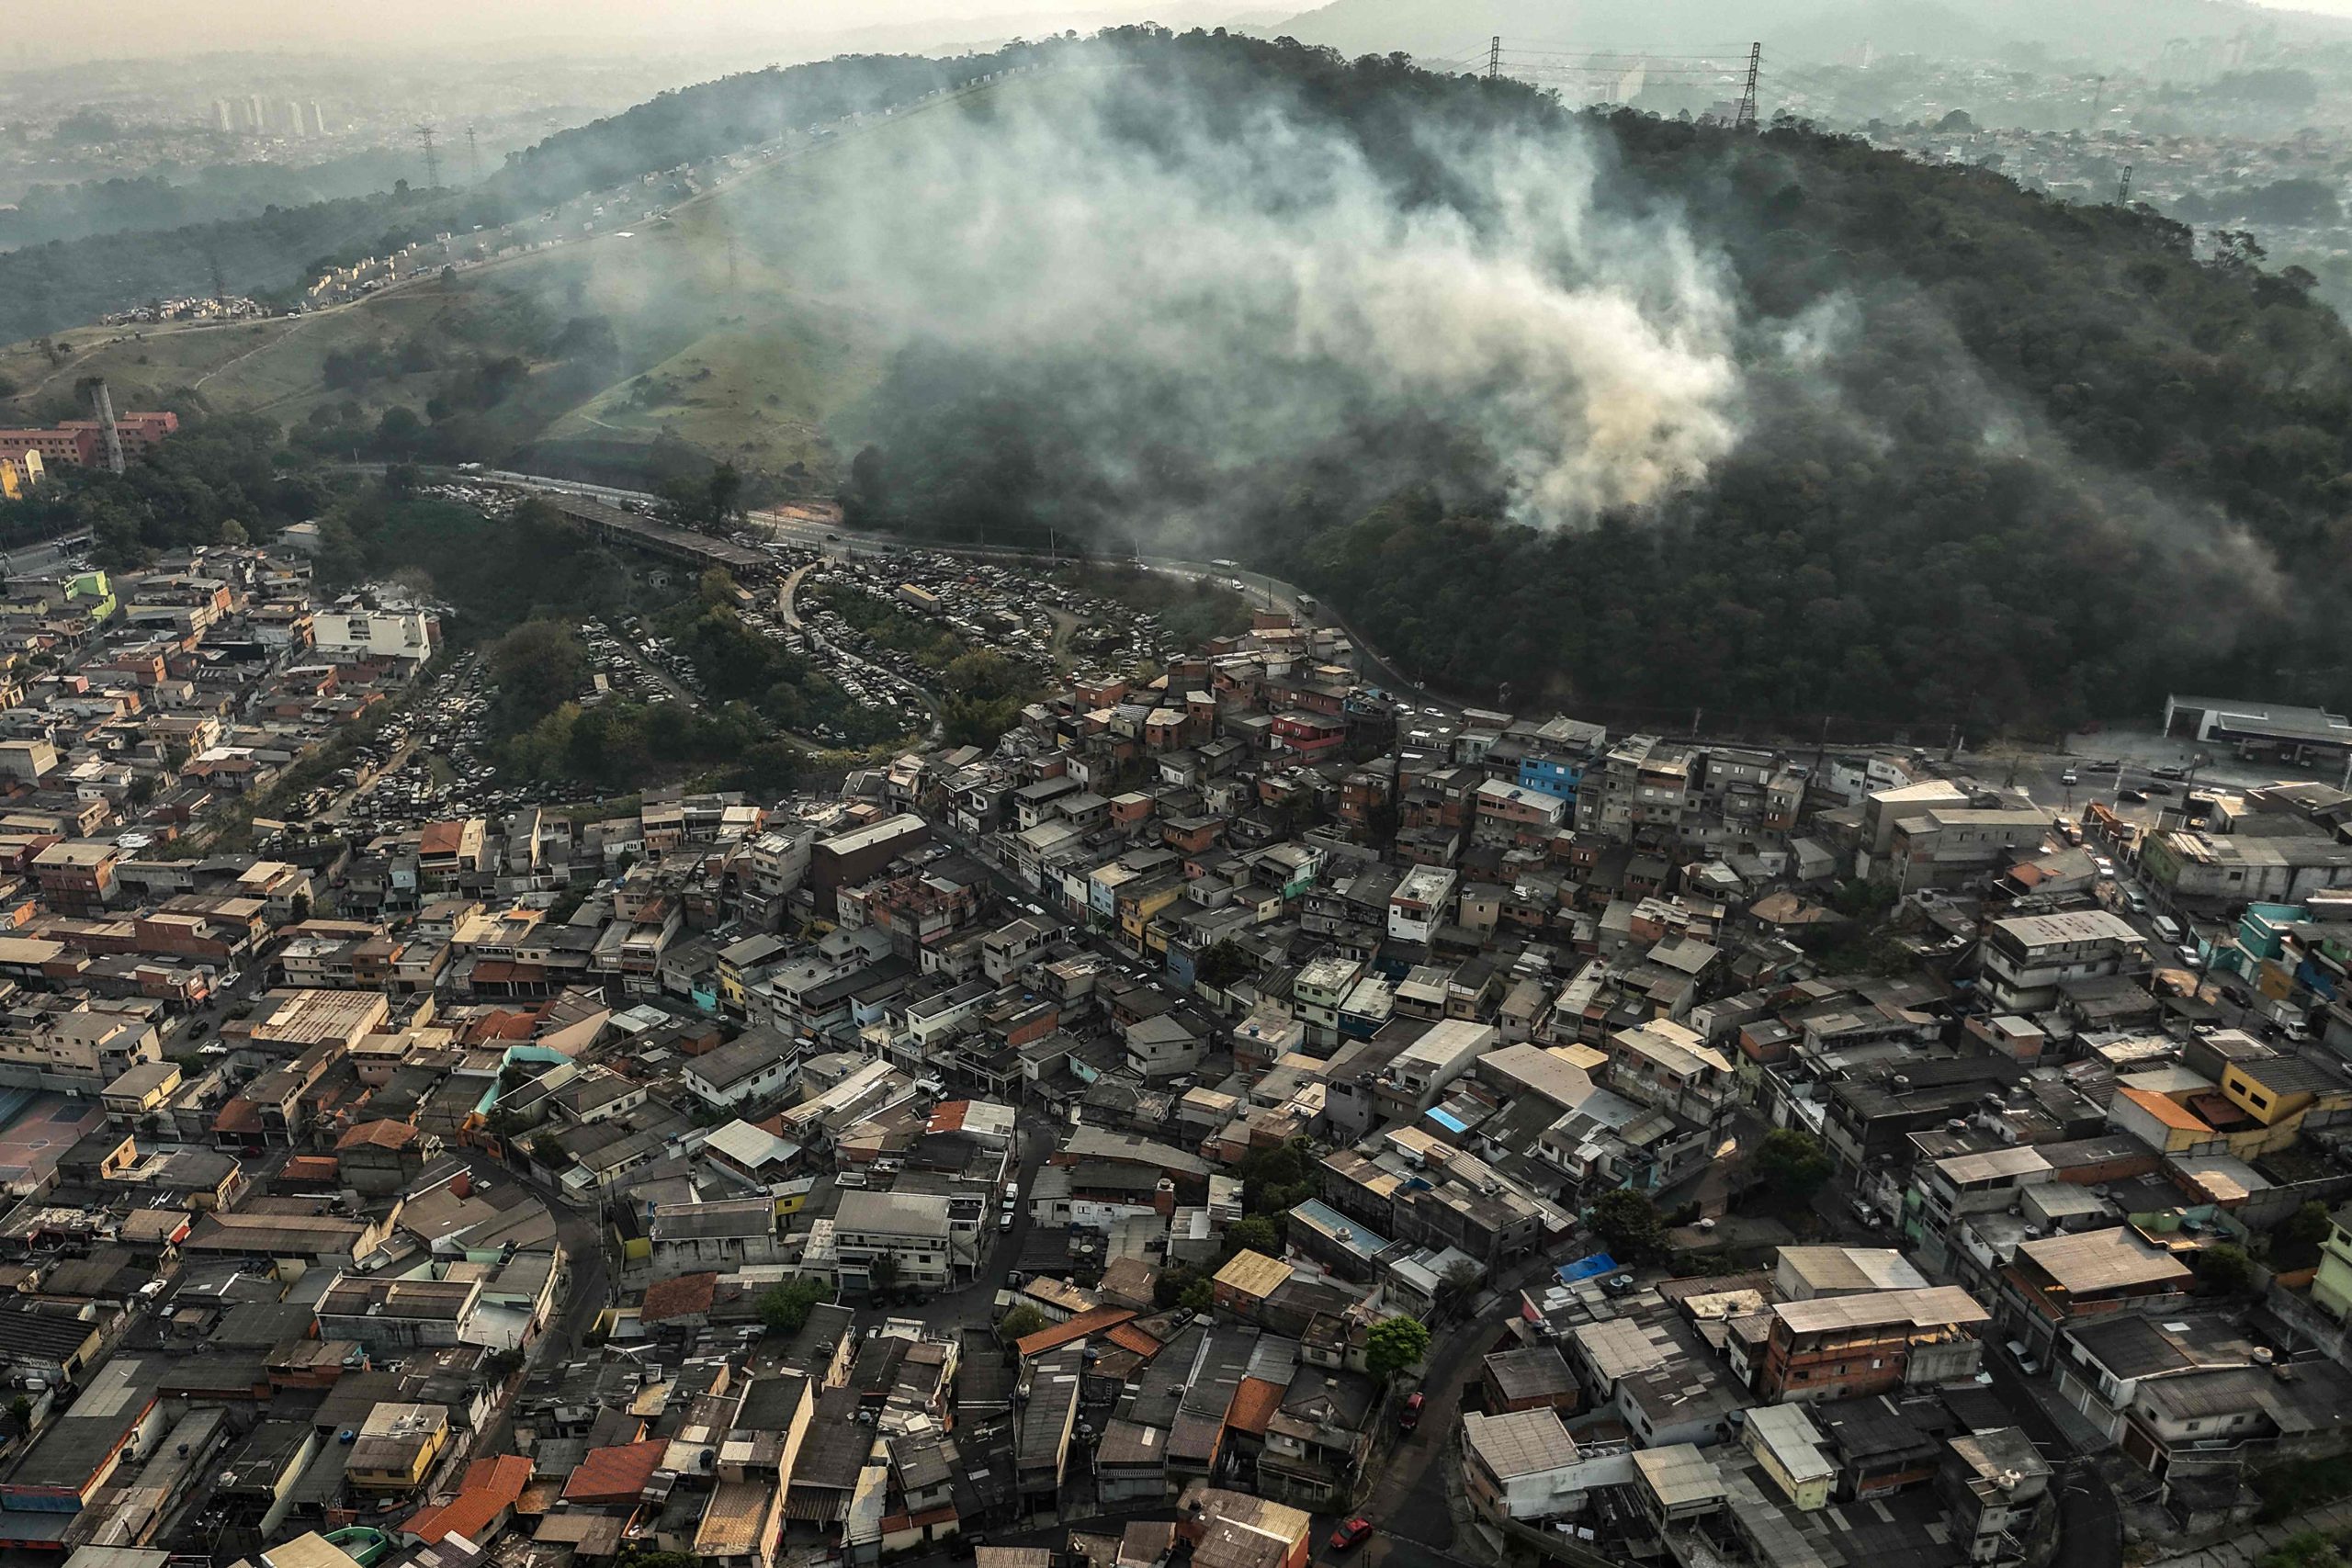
<point>1495,57</point>
<point>2123,186</point>
<point>1746,118</point>
<point>432,159</point>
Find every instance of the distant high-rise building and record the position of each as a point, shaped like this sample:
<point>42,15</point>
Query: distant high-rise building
<point>294,126</point>
<point>318,120</point>
<point>220,121</point>
<point>253,121</point>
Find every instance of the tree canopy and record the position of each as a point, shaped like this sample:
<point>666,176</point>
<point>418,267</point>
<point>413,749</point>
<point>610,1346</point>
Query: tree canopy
<point>1393,1345</point>
<point>1629,1223</point>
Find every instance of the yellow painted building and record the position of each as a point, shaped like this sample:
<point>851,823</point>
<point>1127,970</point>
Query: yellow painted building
<point>1787,1447</point>
<point>2277,1093</point>
<point>398,1447</point>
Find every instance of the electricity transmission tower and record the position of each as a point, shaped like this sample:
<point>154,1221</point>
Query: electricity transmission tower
<point>1746,118</point>
<point>1495,57</point>
<point>473,158</point>
<point>432,159</point>
<point>2123,186</point>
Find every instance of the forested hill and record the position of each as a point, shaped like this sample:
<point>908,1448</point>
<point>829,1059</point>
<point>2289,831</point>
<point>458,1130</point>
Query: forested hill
<point>49,287</point>
<point>1995,460</point>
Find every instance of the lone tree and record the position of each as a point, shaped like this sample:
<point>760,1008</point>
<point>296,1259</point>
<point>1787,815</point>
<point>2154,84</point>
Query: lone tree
<point>2225,1270</point>
<point>1629,1223</point>
<point>1254,1233</point>
<point>785,1308</point>
<point>1020,1322</point>
<point>1394,1344</point>
<point>1793,1162</point>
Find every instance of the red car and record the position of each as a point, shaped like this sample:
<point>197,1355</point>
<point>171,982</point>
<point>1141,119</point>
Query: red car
<point>1409,1415</point>
<point>1355,1532</point>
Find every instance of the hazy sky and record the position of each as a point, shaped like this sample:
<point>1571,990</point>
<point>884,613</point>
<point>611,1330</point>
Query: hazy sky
<point>175,27</point>
<point>48,32</point>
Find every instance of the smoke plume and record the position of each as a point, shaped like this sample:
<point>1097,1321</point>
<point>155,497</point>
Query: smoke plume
<point>1243,284</point>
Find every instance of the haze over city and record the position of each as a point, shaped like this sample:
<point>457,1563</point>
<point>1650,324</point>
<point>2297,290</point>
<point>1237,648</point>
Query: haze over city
<point>985,783</point>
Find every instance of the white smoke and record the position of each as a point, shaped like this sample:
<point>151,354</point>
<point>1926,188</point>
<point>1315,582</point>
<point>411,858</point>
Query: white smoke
<point>1275,280</point>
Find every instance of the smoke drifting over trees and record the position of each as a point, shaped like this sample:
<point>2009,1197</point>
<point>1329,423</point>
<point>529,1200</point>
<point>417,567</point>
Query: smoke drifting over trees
<point>1237,281</point>
<point>1642,412</point>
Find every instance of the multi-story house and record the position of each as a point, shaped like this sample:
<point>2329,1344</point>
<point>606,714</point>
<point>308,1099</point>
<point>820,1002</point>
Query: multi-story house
<point>2025,960</point>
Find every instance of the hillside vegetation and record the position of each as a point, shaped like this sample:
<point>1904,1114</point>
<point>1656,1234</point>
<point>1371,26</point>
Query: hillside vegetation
<point>55,287</point>
<point>1628,414</point>
<point>1995,461</point>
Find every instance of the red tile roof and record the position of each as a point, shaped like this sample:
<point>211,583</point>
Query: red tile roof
<point>1095,1320</point>
<point>381,1133</point>
<point>1127,1337</point>
<point>682,1297</point>
<point>491,1487</point>
<point>615,1475</point>
<point>1254,1403</point>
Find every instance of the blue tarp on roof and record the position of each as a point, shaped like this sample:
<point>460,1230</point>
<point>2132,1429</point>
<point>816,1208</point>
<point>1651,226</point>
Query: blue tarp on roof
<point>1590,1268</point>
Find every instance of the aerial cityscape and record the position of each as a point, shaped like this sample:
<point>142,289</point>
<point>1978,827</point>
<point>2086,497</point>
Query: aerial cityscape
<point>1437,783</point>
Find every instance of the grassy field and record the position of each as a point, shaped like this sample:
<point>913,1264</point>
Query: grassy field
<point>729,318</point>
<point>759,395</point>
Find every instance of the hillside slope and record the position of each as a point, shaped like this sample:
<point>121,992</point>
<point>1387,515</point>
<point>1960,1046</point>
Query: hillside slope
<point>717,338</point>
<point>1629,413</point>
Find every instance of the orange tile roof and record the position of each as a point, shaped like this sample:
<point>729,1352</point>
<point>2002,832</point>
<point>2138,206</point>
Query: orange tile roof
<point>1254,1403</point>
<point>2165,1110</point>
<point>491,1487</point>
<point>1127,1337</point>
<point>442,838</point>
<point>382,1133</point>
<point>682,1297</point>
<point>615,1475</point>
<point>1095,1320</point>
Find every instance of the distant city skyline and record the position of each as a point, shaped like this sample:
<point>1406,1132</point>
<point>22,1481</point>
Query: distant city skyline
<point>152,29</point>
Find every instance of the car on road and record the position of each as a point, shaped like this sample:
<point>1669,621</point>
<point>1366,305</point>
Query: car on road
<point>2156,789</point>
<point>2134,795</point>
<point>2104,765</point>
<point>2103,865</point>
<point>1355,1532</point>
<point>2069,778</point>
<point>2170,771</point>
<point>1004,1221</point>
<point>1409,1414</point>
